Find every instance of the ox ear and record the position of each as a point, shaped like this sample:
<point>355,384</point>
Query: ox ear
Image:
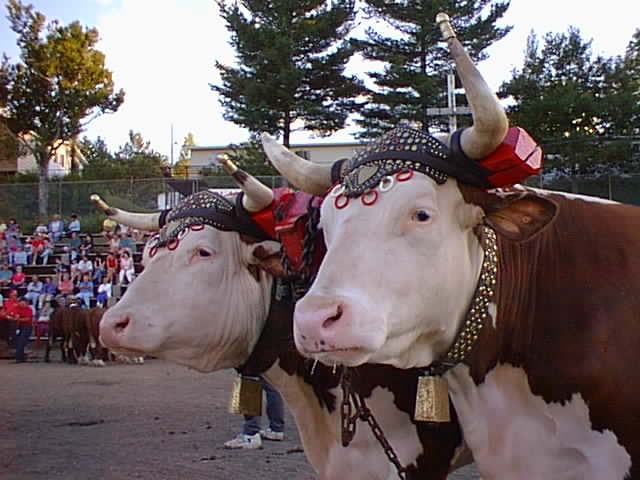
<point>266,256</point>
<point>520,216</point>
<point>517,214</point>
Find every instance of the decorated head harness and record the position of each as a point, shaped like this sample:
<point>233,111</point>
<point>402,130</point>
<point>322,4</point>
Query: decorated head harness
<point>405,149</point>
<point>200,209</point>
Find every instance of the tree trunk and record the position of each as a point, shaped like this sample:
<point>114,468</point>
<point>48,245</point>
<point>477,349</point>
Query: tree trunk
<point>43,185</point>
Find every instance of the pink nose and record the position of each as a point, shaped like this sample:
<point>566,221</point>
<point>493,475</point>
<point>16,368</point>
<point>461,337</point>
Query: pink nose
<point>318,323</point>
<point>112,329</point>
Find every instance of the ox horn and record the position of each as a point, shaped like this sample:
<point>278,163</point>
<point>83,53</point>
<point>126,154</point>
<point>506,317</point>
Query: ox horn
<point>142,221</point>
<point>490,122</point>
<point>257,196</point>
<point>307,176</point>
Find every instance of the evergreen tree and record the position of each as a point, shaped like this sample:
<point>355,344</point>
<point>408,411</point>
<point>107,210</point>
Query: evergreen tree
<point>415,59</point>
<point>139,159</point>
<point>574,103</point>
<point>291,60</point>
<point>58,86</point>
<point>623,91</point>
<point>101,163</point>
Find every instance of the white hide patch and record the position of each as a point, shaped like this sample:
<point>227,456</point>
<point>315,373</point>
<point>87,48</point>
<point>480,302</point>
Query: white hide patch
<point>364,458</point>
<point>493,313</point>
<point>516,435</point>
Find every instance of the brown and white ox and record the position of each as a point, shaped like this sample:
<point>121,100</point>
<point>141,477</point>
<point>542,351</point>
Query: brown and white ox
<point>549,389</point>
<point>205,303</point>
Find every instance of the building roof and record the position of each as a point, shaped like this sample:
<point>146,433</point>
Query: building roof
<point>296,146</point>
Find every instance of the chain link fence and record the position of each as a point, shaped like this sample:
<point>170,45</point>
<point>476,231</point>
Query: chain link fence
<point>20,200</point>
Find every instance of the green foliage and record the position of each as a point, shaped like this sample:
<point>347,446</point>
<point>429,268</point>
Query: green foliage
<point>57,87</point>
<point>415,59</point>
<point>135,159</point>
<point>251,157</point>
<point>181,168</point>
<point>292,57</point>
<point>580,106</point>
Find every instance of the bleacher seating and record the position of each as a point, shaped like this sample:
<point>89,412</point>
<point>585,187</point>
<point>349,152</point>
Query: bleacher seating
<point>100,247</point>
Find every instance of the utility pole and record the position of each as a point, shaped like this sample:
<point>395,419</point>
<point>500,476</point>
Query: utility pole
<point>452,111</point>
<point>171,162</point>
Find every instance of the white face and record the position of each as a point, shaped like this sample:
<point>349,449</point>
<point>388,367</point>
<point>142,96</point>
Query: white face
<point>197,305</point>
<point>397,277</point>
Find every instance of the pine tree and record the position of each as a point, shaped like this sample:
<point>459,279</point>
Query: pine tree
<point>568,99</point>
<point>416,61</point>
<point>291,61</point>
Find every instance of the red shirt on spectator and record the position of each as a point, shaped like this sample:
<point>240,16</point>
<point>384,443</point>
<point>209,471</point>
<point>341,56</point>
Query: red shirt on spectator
<point>112,262</point>
<point>10,305</point>
<point>23,313</point>
<point>18,278</point>
<point>37,243</point>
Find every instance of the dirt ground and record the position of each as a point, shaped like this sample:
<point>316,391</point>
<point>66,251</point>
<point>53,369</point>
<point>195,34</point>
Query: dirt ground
<point>152,422</point>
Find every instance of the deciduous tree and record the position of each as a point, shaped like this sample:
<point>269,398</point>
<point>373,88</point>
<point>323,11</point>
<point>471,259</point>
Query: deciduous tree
<point>59,84</point>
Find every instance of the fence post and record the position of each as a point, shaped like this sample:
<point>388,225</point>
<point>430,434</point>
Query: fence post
<point>610,189</point>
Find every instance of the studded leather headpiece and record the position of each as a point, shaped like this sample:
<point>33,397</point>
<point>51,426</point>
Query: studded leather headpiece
<point>207,208</point>
<point>407,149</point>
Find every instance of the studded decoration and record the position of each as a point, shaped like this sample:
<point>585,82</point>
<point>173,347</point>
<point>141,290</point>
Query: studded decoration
<point>478,312</point>
<point>401,149</point>
<point>432,400</point>
<point>200,209</point>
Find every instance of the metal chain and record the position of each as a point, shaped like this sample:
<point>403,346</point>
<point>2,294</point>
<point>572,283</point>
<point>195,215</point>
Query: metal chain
<point>301,279</point>
<point>351,399</point>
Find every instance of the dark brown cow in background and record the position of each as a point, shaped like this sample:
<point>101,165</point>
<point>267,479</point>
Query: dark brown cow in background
<point>79,330</point>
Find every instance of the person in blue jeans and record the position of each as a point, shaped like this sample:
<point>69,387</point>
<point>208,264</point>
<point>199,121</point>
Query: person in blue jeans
<point>252,434</point>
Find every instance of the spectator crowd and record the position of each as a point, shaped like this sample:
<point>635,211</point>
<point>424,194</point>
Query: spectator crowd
<point>80,275</point>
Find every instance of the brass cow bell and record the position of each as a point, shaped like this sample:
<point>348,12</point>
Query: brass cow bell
<point>246,396</point>
<point>432,400</point>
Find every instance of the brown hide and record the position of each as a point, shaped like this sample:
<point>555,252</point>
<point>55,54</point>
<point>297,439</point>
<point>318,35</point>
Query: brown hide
<point>93,317</point>
<point>70,323</point>
<point>568,305</point>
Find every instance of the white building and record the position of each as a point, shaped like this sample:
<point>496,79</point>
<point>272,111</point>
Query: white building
<point>206,157</point>
<point>60,163</point>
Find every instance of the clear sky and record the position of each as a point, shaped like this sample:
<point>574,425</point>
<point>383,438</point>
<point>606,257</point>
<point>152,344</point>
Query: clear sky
<point>162,53</point>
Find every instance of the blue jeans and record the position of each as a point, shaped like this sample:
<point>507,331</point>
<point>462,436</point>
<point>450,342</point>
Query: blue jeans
<point>22,340</point>
<point>275,413</point>
<point>86,298</point>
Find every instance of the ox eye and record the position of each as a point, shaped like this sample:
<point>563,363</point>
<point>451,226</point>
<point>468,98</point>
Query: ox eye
<point>420,216</point>
<point>203,252</point>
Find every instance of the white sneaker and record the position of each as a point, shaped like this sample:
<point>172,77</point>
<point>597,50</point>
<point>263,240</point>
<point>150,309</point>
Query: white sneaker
<point>248,442</point>
<point>269,434</point>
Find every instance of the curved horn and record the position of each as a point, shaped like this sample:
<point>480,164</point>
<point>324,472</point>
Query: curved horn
<point>257,196</point>
<point>142,221</point>
<point>490,122</point>
<point>310,177</point>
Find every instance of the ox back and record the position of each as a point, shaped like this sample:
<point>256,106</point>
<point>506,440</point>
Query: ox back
<point>567,331</point>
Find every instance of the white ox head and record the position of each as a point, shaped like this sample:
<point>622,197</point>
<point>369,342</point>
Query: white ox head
<point>203,296</point>
<point>402,263</point>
